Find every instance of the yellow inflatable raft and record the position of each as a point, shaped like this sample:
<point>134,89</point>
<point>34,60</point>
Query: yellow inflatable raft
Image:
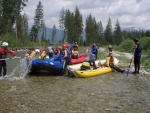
<point>74,70</point>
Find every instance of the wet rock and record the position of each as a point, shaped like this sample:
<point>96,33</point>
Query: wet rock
<point>107,109</point>
<point>92,94</point>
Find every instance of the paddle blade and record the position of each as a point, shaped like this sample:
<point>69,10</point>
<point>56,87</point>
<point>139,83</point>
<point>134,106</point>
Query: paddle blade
<point>128,71</point>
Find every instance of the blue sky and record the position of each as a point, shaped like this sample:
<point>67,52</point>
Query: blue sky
<point>129,12</point>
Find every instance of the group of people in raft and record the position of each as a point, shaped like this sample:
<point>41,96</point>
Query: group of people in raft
<point>68,51</point>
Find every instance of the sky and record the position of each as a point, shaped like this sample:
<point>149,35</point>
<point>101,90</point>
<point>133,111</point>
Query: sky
<point>130,13</point>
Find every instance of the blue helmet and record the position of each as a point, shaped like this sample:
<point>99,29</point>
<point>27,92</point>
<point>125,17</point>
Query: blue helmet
<point>92,55</point>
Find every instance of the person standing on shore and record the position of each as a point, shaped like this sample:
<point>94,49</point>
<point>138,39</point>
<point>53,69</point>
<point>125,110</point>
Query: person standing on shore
<point>137,56</point>
<point>3,55</point>
<point>95,50</point>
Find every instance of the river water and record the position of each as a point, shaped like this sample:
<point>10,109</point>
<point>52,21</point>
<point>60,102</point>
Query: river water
<point>46,93</point>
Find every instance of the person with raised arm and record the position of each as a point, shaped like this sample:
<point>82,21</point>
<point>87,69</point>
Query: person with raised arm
<point>3,55</point>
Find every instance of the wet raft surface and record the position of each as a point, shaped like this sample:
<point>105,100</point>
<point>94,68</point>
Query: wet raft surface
<point>106,93</point>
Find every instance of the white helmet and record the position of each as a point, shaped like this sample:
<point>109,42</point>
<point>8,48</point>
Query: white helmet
<point>5,44</point>
<point>37,50</point>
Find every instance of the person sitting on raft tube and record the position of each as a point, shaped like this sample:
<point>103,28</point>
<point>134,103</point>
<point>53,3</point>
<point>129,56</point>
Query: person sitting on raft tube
<point>43,55</point>
<point>91,60</point>
<point>31,55</point>
<point>3,55</point>
<point>110,63</point>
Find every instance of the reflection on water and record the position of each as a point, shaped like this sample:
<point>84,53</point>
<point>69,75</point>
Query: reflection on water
<point>45,93</point>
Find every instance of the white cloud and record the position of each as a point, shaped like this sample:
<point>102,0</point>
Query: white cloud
<point>128,12</point>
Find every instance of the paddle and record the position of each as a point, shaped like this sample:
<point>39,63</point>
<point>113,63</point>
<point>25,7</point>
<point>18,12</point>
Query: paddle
<point>128,71</point>
<point>10,58</point>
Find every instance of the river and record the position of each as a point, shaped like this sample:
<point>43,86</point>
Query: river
<point>46,93</point>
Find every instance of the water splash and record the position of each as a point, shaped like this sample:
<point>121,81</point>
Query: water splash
<point>19,72</point>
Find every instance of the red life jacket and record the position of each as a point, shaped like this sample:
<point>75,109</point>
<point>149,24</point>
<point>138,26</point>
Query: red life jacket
<point>4,51</point>
<point>111,59</point>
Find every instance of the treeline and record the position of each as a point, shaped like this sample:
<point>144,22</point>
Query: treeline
<point>14,28</point>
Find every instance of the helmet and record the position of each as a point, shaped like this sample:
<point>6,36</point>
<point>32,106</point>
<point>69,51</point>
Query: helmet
<point>92,55</point>
<point>135,40</point>
<point>110,46</point>
<point>64,45</point>
<point>5,44</point>
<point>37,50</point>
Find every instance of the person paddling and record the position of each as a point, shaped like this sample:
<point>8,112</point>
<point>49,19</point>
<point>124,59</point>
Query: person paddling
<point>3,55</point>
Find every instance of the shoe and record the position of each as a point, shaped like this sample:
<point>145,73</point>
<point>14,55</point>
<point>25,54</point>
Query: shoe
<point>95,68</point>
<point>134,73</point>
<point>137,72</point>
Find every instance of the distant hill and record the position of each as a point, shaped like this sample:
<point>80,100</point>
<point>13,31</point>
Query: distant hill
<point>131,29</point>
<point>58,36</point>
<point>59,33</point>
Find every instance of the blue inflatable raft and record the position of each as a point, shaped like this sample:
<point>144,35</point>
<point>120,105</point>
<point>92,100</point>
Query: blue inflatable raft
<point>53,65</point>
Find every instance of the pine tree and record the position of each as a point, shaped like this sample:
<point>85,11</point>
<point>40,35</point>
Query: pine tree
<point>43,30</point>
<point>108,32</point>
<point>78,25</point>
<point>62,23</point>
<point>24,26</point>
<point>70,26</point>
<point>10,14</point>
<point>38,19</point>
<point>91,30</point>
<point>71,23</point>
<point>53,33</point>
<point>118,38</point>
<point>88,28</point>
<point>100,30</point>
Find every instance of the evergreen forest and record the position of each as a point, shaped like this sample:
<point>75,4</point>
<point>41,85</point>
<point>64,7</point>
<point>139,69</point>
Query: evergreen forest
<point>14,28</point>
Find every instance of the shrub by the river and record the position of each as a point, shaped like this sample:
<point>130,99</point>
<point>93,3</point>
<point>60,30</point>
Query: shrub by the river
<point>126,46</point>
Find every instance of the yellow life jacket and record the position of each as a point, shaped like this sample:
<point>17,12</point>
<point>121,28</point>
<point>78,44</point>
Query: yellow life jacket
<point>85,66</point>
<point>75,52</point>
<point>33,53</point>
<point>42,55</point>
<point>107,61</point>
